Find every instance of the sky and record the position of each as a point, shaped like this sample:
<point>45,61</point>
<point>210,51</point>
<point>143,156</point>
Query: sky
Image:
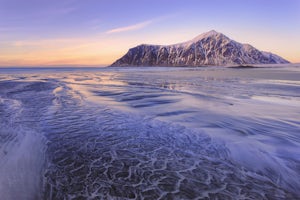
<point>97,32</point>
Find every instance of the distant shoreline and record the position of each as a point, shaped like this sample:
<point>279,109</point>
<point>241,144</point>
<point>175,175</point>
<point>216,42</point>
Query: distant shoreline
<point>183,66</point>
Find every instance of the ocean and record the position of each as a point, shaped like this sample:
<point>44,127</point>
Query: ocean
<point>150,133</point>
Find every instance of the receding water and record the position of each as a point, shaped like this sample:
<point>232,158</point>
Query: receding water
<point>150,133</point>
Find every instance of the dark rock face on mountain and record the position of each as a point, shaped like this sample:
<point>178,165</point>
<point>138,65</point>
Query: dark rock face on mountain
<point>211,48</point>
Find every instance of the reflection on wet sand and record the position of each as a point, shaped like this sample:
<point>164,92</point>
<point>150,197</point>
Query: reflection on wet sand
<point>150,134</point>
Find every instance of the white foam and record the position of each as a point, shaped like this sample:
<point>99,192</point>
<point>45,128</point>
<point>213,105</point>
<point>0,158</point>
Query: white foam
<point>21,173</point>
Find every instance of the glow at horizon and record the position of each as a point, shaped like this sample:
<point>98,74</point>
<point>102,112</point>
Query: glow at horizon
<point>97,32</point>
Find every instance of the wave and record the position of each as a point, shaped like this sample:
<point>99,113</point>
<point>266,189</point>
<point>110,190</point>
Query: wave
<point>74,138</point>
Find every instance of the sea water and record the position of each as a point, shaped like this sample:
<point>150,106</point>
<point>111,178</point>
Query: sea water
<point>150,133</point>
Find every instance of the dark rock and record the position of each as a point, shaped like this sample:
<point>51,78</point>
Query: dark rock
<point>211,48</point>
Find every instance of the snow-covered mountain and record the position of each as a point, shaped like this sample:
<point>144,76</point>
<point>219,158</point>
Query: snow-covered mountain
<point>211,48</point>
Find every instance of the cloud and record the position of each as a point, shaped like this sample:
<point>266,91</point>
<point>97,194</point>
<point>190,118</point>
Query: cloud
<point>131,27</point>
<point>140,25</point>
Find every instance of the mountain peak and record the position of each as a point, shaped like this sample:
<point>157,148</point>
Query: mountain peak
<point>210,48</point>
<point>211,33</point>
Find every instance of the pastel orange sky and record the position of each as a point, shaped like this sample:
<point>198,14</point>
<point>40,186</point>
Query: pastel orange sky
<point>99,32</point>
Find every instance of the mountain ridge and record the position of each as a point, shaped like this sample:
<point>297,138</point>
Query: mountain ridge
<point>210,48</point>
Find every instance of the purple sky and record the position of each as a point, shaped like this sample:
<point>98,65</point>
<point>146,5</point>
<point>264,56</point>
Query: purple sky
<point>43,32</point>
